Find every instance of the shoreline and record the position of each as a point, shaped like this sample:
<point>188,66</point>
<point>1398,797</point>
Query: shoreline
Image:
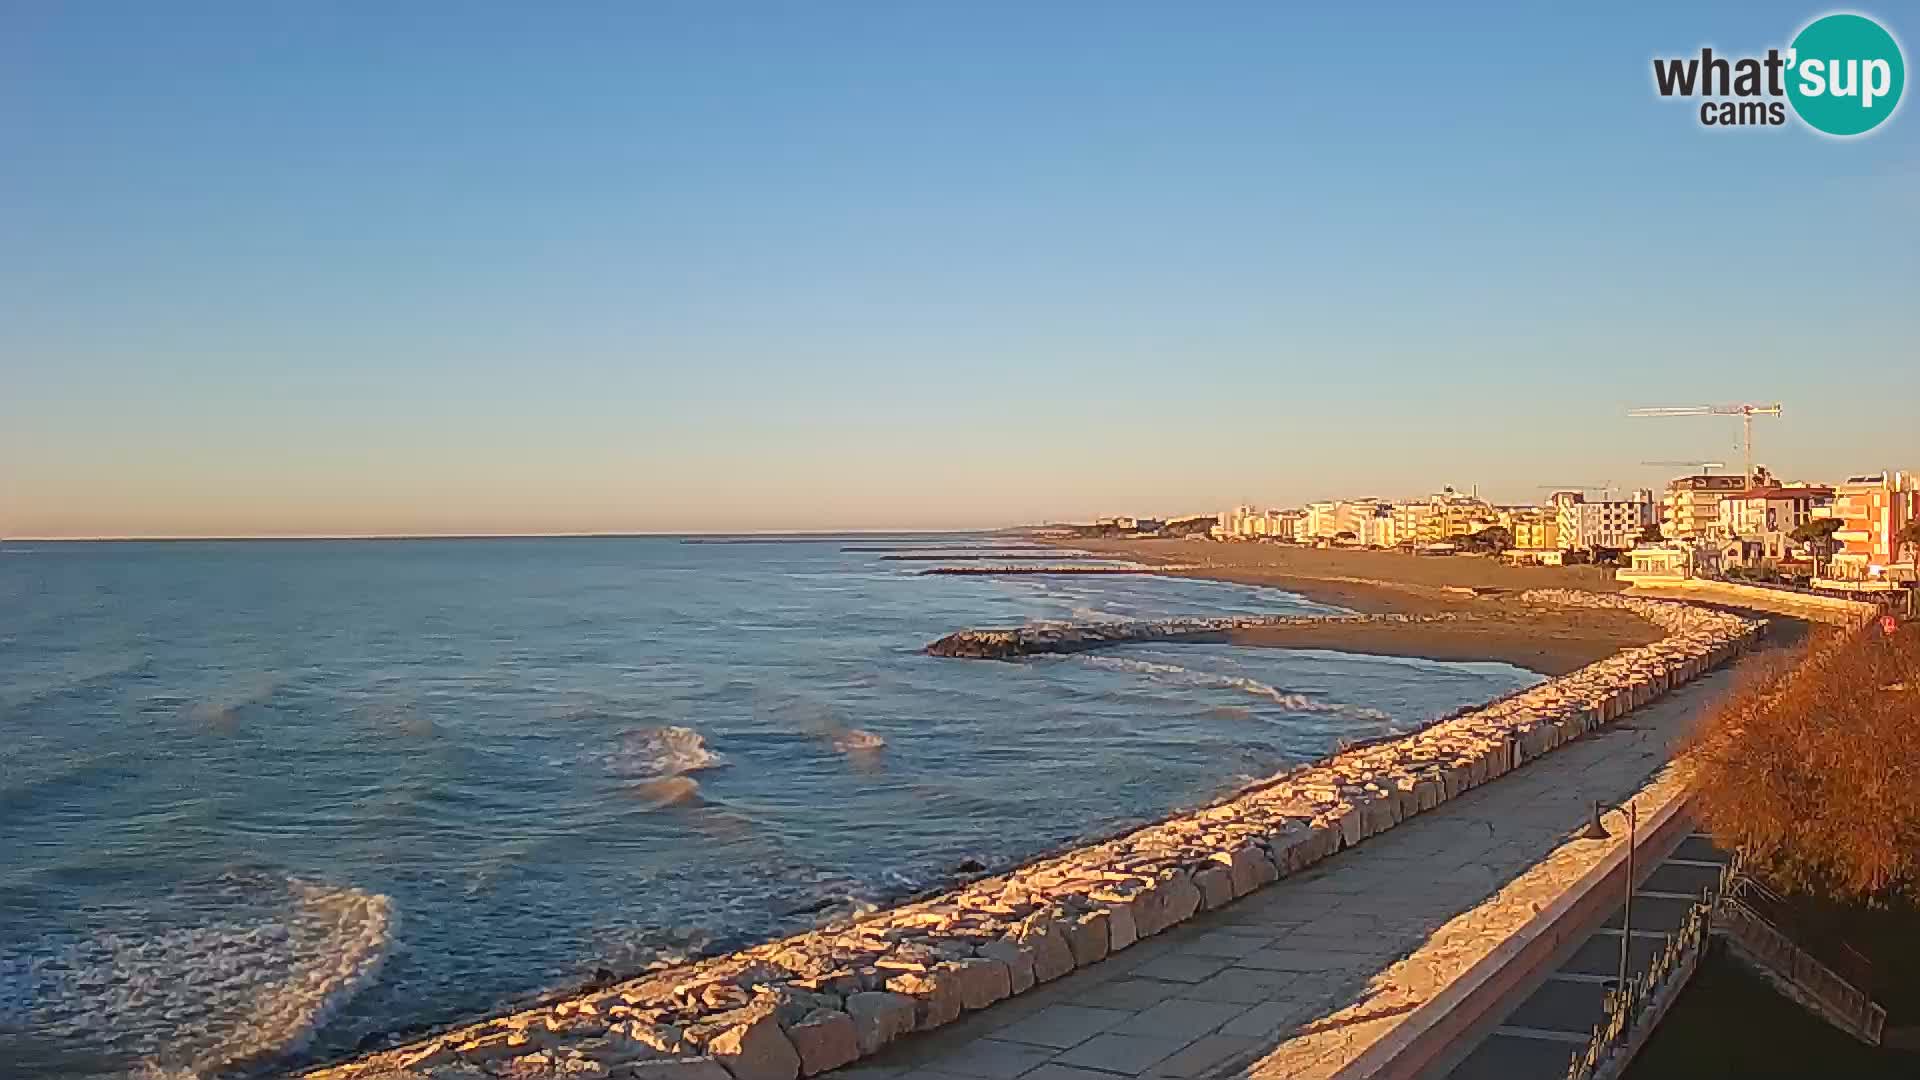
<point>820,999</point>
<point>1494,628</point>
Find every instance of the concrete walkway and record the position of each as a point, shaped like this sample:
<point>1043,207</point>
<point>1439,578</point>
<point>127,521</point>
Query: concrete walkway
<point>1295,980</point>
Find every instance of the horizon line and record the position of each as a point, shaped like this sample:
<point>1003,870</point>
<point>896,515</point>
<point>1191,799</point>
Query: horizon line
<point>579,535</point>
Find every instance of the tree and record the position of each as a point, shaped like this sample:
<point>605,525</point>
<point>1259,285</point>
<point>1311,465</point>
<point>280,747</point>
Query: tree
<point>1817,534</point>
<point>1808,767</point>
<point>1494,538</point>
<point>1651,534</point>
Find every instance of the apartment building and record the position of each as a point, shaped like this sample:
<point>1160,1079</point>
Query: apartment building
<point>1603,523</point>
<point>1690,507</point>
<point>1761,510</point>
<point>1872,509</point>
<point>1535,530</point>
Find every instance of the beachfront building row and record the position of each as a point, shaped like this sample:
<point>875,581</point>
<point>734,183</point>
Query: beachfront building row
<point>1872,510</point>
<point>1369,522</point>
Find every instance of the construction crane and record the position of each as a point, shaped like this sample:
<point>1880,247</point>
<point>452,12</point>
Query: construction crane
<point>1706,467</point>
<point>1746,413</point>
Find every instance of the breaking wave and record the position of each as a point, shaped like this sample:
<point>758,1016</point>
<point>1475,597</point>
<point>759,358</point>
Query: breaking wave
<point>857,740</point>
<point>223,995</point>
<point>1286,699</point>
<point>656,753</point>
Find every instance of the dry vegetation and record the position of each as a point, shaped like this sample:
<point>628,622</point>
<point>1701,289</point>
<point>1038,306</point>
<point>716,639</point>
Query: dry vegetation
<point>1813,767</point>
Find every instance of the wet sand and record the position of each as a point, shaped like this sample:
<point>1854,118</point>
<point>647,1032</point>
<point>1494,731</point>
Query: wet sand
<point>1552,641</point>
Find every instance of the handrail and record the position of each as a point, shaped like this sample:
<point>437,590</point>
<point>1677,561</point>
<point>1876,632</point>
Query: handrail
<point>1671,967</point>
<point>1844,1004</point>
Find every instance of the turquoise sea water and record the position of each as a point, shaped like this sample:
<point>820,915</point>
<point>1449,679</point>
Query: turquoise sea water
<point>277,798</point>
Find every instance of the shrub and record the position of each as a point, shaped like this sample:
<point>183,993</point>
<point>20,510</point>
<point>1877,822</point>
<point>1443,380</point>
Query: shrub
<point>1813,766</point>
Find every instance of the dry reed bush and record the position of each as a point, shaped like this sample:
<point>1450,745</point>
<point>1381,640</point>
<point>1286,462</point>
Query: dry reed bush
<point>1813,767</point>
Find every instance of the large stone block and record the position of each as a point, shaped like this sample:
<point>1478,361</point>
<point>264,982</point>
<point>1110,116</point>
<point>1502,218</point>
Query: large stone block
<point>879,1017</point>
<point>935,994</point>
<point>1247,868</point>
<point>1121,930</point>
<point>1216,887</point>
<point>982,981</point>
<point>1018,960</point>
<point>756,1050</point>
<point>825,1039</point>
<point>1052,956</point>
<point>1169,901</point>
<point>1090,937</point>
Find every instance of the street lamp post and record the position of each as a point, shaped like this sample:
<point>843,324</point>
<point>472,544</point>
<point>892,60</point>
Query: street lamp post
<point>1598,831</point>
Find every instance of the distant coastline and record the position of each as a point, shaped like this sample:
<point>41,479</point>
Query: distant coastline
<point>745,536</point>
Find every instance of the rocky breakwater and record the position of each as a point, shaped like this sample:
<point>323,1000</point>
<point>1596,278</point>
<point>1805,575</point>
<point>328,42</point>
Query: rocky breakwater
<point>1051,568</point>
<point>821,999</point>
<point>1063,637</point>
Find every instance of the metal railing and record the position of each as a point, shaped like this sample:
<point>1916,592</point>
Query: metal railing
<point>1840,1001</point>
<point>1651,991</point>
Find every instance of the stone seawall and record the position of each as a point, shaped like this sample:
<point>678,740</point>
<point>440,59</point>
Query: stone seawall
<point>822,999</point>
<point>1003,644</point>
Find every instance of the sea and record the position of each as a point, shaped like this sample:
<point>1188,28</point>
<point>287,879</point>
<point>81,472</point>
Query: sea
<point>266,802</point>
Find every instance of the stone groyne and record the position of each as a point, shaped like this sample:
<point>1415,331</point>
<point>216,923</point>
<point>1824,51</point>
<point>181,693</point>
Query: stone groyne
<point>1052,568</point>
<point>824,998</point>
<point>1007,643</point>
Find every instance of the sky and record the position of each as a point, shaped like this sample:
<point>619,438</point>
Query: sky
<point>363,268</point>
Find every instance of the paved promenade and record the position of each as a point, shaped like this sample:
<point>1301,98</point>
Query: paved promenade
<point>1300,978</point>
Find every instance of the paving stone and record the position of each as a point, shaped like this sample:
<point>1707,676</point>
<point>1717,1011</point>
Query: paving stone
<point>1247,986</point>
<point>1053,1070</point>
<point>1202,1056</point>
<point>994,1059</point>
<point>1184,1018</point>
<point>1062,1026</point>
<point>1131,994</point>
<point>1128,1055</point>
<point>1228,943</point>
<point>1181,967</point>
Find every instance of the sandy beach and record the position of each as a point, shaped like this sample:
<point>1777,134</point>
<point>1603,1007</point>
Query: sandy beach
<point>1550,642</point>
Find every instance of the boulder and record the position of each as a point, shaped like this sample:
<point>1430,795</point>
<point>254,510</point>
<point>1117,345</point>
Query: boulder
<point>1216,887</point>
<point>1121,931</point>
<point>825,1039</point>
<point>982,981</point>
<point>1052,956</point>
<point>1018,959</point>
<point>935,994</point>
<point>755,1049</point>
<point>1089,936</point>
<point>879,1017</point>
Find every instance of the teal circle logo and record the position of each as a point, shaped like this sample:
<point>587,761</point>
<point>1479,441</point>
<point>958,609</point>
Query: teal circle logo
<point>1845,74</point>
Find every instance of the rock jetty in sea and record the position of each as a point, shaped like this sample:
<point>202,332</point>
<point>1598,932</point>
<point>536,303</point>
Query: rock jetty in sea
<point>1051,568</point>
<point>818,1000</point>
<point>1066,637</point>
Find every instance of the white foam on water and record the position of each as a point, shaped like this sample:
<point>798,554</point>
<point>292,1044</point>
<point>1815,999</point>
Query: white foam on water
<point>856,740</point>
<point>205,999</point>
<point>655,753</point>
<point>1286,699</point>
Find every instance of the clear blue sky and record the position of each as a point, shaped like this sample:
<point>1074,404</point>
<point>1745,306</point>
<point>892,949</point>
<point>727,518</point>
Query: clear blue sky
<point>369,267</point>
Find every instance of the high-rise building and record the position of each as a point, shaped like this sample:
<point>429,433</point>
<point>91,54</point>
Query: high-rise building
<point>1605,523</point>
<point>1872,510</point>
